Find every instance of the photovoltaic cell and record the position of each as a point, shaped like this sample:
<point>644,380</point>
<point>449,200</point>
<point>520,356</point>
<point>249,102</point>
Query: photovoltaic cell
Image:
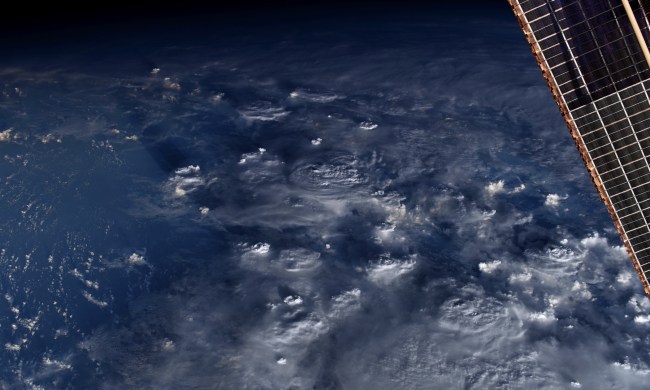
<point>594,63</point>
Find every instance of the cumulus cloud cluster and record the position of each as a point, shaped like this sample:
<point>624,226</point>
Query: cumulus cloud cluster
<point>411,251</point>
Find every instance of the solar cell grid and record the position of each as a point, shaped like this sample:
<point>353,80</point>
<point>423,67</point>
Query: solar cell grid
<point>637,117</point>
<point>642,245</point>
<point>638,226</point>
<point>638,104</point>
<point>636,216</point>
<point>639,179</point>
<point>554,51</point>
<point>588,109</point>
<point>542,21</point>
<point>530,4</point>
<point>629,154</point>
<point>552,41</point>
<point>639,125</point>
<point>630,102</point>
<point>624,143</point>
<point>645,144</point>
<point>636,173</point>
<point>641,241</point>
<point>622,137</point>
<point>645,4</point>
<point>607,166</point>
<point>643,133</point>
<point>635,226</point>
<point>538,12</point>
<point>567,76</point>
<point>613,174</point>
<point>643,196</point>
<point>642,127</point>
<point>589,118</point>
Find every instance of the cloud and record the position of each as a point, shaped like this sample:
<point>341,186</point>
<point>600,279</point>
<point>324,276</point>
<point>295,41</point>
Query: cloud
<point>298,260</point>
<point>489,267</point>
<point>386,269</point>
<point>553,200</point>
<point>263,111</point>
<point>6,135</point>
<point>293,300</point>
<point>312,96</point>
<point>185,180</point>
<point>136,259</point>
<point>368,125</point>
<point>495,188</point>
<point>519,188</point>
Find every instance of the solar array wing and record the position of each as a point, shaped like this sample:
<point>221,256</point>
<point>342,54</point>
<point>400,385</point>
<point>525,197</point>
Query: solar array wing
<point>595,59</point>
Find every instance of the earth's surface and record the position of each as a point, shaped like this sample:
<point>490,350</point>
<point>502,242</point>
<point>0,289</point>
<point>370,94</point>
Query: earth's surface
<point>383,202</point>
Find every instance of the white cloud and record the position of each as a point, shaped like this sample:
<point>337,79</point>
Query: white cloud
<point>56,364</point>
<point>247,157</point>
<point>263,112</point>
<point>593,241</point>
<point>519,188</point>
<point>136,259</point>
<point>642,319</point>
<point>544,317</point>
<point>524,220</point>
<point>553,200</point>
<point>293,300</point>
<point>168,345</point>
<point>488,214</point>
<point>170,84</point>
<point>494,188</point>
<point>563,254</point>
<point>12,347</point>
<point>217,98</point>
<point>261,248</point>
<point>6,135</point>
<point>581,289</point>
<point>49,138</point>
<point>386,269</point>
<point>624,278</point>
<point>185,180</point>
<point>520,278</point>
<point>315,97</point>
<point>345,303</point>
<point>188,170</point>
<point>90,298</point>
<point>368,125</point>
<point>299,260</point>
<point>255,256</point>
<point>299,332</point>
<point>489,267</point>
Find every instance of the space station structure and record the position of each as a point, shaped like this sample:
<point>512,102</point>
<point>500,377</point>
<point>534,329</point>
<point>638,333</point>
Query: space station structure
<point>595,59</point>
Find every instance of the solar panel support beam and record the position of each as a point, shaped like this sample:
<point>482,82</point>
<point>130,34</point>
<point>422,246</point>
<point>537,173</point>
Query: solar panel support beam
<point>637,30</point>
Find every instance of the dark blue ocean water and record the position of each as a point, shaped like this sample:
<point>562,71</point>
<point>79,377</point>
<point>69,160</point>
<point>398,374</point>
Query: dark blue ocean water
<point>376,200</point>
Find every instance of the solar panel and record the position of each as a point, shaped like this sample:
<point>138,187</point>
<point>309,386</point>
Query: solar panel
<point>595,59</point>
